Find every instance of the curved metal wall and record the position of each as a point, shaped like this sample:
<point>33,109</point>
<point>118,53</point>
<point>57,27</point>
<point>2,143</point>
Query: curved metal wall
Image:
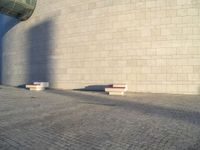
<point>20,9</point>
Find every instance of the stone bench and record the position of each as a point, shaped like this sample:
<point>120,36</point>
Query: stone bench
<point>117,89</point>
<point>37,86</point>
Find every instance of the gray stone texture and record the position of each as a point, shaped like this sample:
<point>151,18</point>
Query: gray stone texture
<point>151,45</point>
<point>74,120</point>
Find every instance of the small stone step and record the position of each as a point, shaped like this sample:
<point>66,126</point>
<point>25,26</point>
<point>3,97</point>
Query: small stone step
<point>32,86</point>
<point>37,89</point>
<point>37,86</point>
<point>125,86</point>
<point>43,84</point>
<point>120,85</point>
<point>115,89</point>
<point>116,93</point>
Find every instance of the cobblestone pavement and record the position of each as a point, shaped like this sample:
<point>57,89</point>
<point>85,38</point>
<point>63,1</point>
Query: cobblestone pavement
<point>75,120</point>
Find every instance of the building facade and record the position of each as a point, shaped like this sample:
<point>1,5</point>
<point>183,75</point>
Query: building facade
<point>151,45</point>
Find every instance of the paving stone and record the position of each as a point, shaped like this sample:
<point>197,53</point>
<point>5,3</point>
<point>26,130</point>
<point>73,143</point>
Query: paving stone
<point>77,120</point>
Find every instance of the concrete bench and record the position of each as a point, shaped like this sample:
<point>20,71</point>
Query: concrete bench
<point>117,89</point>
<point>37,86</point>
<point>43,84</point>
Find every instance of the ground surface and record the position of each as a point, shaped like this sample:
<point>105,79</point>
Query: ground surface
<point>75,120</point>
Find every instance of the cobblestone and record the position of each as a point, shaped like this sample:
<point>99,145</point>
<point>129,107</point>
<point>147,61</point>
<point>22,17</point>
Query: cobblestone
<point>77,120</point>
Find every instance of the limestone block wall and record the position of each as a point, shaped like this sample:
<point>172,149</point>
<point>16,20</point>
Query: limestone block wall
<point>152,45</point>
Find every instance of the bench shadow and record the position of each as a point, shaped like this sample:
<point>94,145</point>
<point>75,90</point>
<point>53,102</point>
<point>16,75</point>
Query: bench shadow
<point>192,117</point>
<point>22,86</point>
<point>93,88</point>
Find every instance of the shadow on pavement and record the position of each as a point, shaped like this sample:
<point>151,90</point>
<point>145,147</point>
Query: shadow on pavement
<point>192,117</point>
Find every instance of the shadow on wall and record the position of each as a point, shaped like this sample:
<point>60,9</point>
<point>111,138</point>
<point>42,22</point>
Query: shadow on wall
<point>6,23</point>
<point>40,41</point>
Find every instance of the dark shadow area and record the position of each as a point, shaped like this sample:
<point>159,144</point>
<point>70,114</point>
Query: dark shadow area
<point>40,38</point>
<point>6,24</point>
<point>192,117</point>
<point>93,88</point>
<point>23,86</point>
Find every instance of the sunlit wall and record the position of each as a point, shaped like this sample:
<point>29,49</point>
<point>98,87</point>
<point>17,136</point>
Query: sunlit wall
<point>152,45</point>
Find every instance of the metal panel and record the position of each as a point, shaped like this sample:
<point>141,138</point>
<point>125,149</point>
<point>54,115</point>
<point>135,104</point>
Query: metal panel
<point>21,9</point>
